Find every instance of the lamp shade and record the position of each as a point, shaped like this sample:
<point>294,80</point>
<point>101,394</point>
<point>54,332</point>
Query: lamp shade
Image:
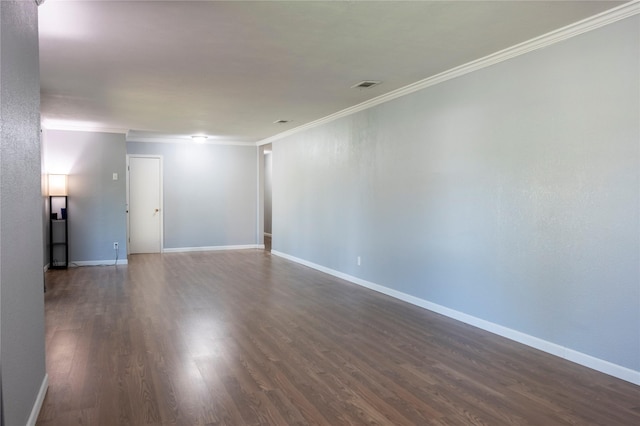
<point>58,185</point>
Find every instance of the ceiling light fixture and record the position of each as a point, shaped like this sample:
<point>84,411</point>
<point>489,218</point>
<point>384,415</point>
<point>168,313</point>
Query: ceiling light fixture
<point>199,138</point>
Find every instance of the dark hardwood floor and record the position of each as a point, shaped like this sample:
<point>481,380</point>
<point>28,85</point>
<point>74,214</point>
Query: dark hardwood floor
<point>244,338</point>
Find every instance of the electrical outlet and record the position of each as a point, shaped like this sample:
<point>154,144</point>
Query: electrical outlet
<point>115,246</point>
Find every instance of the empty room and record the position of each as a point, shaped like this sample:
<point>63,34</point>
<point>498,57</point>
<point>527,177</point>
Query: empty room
<point>319,212</point>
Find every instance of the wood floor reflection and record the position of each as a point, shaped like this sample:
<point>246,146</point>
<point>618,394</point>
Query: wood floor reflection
<point>246,338</point>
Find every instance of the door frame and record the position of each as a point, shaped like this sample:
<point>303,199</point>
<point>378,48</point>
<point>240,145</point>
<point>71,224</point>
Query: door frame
<point>159,157</point>
<point>263,158</point>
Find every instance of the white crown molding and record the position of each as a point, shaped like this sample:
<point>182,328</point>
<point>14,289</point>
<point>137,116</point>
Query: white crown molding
<point>69,128</point>
<point>130,138</point>
<point>189,140</point>
<point>597,21</point>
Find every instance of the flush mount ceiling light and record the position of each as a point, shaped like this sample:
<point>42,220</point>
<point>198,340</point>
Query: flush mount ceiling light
<point>199,138</point>
<point>281,121</point>
<point>366,84</point>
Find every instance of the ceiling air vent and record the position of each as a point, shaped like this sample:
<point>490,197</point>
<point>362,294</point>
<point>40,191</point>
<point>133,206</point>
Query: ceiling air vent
<point>366,84</point>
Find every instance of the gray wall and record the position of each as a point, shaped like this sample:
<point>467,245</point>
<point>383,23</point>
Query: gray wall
<point>97,203</point>
<point>210,193</point>
<point>21,274</point>
<point>510,194</point>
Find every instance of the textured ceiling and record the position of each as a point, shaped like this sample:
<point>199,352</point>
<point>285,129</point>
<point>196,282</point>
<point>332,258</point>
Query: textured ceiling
<point>229,69</point>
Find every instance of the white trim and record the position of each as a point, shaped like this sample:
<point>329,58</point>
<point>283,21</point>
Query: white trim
<point>185,140</point>
<point>605,18</point>
<point>259,193</point>
<point>212,248</point>
<point>106,262</point>
<point>589,361</point>
<point>91,129</point>
<point>37,406</point>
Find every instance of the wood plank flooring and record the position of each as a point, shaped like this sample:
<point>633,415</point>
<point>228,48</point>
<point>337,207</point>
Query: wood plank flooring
<point>246,338</point>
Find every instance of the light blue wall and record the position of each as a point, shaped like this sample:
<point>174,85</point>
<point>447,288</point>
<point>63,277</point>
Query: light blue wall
<point>210,193</point>
<point>97,203</point>
<point>510,194</point>
<point>22,351</point>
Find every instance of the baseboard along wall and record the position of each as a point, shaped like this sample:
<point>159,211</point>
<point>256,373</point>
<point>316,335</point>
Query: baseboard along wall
<point>212,248</point>
<point>35,411</point>
<point>585,360</point>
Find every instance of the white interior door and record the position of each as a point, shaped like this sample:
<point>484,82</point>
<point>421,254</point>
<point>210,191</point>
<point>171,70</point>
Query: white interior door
<point>145,198</point>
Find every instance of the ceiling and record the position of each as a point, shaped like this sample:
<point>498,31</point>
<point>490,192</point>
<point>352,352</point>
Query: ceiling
<point>229,69</point>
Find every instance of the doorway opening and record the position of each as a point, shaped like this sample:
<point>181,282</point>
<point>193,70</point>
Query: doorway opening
<point>268,169</point>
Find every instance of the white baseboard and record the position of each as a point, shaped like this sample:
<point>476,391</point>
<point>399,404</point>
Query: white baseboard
<point>212,248</point>
<point>108,262</point>
<point>46,267</point>
<point>35,411</point>
<point>589,361</point>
